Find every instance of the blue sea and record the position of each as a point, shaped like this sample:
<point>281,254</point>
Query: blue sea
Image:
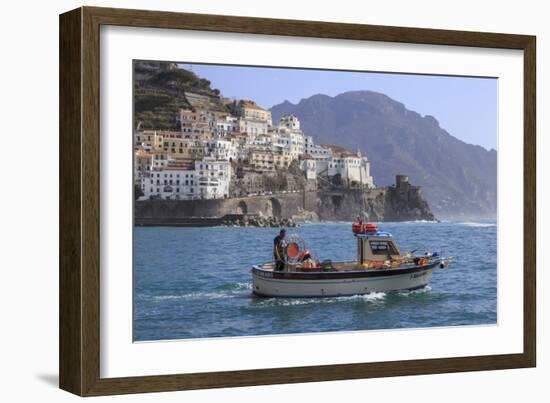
<point>196,282</point>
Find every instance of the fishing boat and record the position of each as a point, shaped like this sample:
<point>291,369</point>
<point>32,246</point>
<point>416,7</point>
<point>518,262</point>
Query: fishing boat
<point>380,266</point>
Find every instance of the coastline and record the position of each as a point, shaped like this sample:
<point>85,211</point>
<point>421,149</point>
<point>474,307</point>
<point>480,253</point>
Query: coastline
<point>399,203</point>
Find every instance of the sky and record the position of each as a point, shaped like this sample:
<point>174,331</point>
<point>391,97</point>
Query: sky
<point>464,106</point>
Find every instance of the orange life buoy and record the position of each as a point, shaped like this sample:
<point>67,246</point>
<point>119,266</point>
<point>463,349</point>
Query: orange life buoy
<point>292,250</point>
<point>364,228</point>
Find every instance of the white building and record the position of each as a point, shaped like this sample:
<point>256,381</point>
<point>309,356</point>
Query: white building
<point>190,118</point>
<point>204,179</point>
<point>321,155</point>
<point>239,144</point>
<point>309,144</point>
<point>159,159</point>
<point>212,179</point>
<point>226,125</point>
<point>289,136</point>
<point>253,120</point>
<point>309,166</point>
<point>170,183</point>
<point>353,168</point>
<point>280,141</point>
<point>331,160</point>
<point>220,149</point>
<point>297,143</point>
<point>253,128</point>
<point>291,122</point>
<point>264,140</point>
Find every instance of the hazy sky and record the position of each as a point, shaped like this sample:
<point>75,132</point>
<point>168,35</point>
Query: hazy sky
<point>465,107</point>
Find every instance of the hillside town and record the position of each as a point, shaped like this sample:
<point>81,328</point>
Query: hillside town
<point>220,155</point>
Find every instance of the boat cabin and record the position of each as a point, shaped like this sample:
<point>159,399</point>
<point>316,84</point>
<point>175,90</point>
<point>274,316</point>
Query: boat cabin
<point>376,248</point>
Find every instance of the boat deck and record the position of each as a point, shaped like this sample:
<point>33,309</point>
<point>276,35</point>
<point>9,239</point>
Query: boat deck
<point>339,267</point>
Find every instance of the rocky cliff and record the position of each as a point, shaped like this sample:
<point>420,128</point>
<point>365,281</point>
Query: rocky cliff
<point>383,204</point>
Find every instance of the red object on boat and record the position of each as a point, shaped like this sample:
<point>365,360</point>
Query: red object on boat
<point>364,228</point>
<point>292,250</point>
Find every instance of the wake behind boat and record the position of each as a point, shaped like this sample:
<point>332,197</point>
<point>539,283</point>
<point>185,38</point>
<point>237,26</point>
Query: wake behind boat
<point>380,266</point>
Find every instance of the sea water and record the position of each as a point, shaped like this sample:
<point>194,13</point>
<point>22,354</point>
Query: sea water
<point>196,282</point>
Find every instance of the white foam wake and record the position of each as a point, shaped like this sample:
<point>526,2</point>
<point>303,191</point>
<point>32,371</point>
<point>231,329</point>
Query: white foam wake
<point>193,296</point>
<point>478,224</point>
<point>370,297</point>
<point>422,290</point>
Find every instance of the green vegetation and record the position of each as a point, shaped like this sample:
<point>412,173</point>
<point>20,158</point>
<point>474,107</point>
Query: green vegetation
<point>157,109</point>
<point>181,81</point>
<point>160,93</point>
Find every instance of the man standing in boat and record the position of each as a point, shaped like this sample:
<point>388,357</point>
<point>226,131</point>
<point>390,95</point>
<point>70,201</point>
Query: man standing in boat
<point>279,250</point>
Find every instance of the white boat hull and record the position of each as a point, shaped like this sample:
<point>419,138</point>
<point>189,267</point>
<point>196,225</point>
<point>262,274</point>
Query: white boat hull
<point>269,284</point>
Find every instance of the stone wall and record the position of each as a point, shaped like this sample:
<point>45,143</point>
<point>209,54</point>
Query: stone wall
<point>280,206</point>
<point>381,204</point>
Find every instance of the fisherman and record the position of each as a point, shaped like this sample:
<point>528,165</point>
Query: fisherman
<point>279,250</point>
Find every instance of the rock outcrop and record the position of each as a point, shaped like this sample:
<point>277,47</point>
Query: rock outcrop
<point>260,221</point>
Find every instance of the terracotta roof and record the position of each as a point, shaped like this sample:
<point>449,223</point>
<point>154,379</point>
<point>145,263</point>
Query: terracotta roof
<point>165,132</point>
<point>340,150</point>
<point>250,104</point>
<point>237,134</point>
<point>334,147</point>
<point>175,136</point>
<point>171,168</point>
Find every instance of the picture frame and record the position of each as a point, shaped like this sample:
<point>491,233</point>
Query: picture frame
<point>80,154</point>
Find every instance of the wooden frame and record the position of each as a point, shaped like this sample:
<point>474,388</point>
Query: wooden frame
<point>79,201</point>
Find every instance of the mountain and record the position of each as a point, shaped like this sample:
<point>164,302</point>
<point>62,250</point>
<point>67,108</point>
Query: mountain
<point>162,89</point>
<point>458,179</point>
